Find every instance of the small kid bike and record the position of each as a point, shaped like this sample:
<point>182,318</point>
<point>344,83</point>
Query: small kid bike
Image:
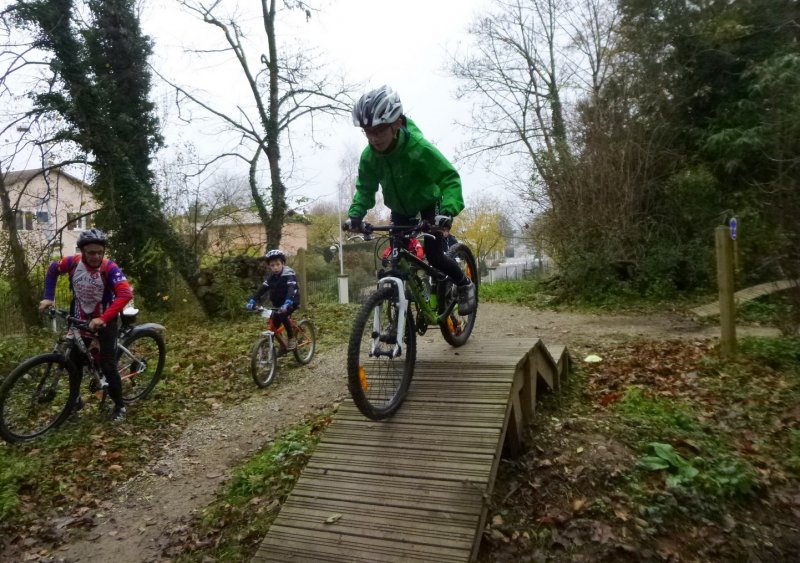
<point>36,396</point>
<point>274,343</point>
<point>411,296</point>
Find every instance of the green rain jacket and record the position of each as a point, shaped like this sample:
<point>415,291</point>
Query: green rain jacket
<point>414,176</point>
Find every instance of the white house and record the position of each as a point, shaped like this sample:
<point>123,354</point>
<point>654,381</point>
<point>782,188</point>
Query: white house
<point>51,209</point>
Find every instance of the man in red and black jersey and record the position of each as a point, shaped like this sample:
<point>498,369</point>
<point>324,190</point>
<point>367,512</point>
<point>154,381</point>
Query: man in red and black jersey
<point>100,291</point>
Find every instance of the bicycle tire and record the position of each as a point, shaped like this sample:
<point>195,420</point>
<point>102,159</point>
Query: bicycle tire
<point>138,373</point>
<point>456,328</point>
<point>306,337</point>
<point>40,386</point>
<point>263,362</point>
<point>378,385</point>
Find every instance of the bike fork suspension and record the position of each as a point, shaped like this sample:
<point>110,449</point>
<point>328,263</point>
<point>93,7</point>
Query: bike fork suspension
<point>377,336</point>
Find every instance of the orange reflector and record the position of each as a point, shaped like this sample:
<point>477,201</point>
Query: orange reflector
<point>362,375</point>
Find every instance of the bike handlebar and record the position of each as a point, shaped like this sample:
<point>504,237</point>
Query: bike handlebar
<point>259,309</point>
<point>424,227</point>
<point>71,321</point>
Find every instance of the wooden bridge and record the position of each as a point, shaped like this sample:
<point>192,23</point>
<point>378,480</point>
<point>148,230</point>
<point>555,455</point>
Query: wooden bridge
<point>746,295</point>
<point>415,487</point>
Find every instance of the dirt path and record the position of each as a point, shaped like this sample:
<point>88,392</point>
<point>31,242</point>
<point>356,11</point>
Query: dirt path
<point>136,524</point>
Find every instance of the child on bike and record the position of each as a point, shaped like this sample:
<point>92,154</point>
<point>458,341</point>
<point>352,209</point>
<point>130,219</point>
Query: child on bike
<point>417,181</point>
<point>100,292</point>
<point>281,283</point>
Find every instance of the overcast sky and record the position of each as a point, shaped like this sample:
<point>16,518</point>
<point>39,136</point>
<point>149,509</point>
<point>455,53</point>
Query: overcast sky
<point>400,43</point>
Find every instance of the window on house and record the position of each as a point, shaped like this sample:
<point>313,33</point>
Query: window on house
<point>24,220</point>
<point>77,223</point>
<point>42,216</point>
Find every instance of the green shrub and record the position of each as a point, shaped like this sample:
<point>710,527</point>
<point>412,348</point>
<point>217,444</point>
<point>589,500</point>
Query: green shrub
<point>13,473</point>
<point>777,353</point>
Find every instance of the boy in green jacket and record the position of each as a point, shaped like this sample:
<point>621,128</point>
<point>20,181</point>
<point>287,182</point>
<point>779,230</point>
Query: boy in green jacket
<point>417,181</point>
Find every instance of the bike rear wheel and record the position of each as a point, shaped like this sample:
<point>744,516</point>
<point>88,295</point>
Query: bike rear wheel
<point>140,360</point>
<point>379,383</point>
<point>35,398</point>
<point>457,328</point>
<point>306,336</point>
<point>264,362</point>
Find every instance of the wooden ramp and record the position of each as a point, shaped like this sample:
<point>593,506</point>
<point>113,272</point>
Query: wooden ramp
<point>746,295</point>
<point>414,487</point>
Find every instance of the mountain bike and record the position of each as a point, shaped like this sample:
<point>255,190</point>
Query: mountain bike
<point>36,396</point>
<point>412,295</point>
<point>274,343</point>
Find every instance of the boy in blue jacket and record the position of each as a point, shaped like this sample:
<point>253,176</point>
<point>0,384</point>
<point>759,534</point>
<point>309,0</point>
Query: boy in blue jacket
<point>281,283</point>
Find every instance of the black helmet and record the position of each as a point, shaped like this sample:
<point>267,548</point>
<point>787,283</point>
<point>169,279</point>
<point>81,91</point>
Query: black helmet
<point>91,236</point>
<point>377,107</point>
<point>275,254</point>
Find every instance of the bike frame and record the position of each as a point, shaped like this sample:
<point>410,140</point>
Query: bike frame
<point>403,266</point>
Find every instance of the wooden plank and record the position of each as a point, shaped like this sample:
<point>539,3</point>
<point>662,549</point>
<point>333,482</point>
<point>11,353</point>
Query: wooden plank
<point>424,527</point>
<point>413,487</point>
<point>418,436</point>
<point>435,414</point>
<point>289,544</point>
<point>448,466</point>
<point>746,295</point>
<point>405,492</point>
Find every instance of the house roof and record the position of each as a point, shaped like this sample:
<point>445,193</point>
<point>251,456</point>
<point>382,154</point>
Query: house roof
<point>17,176</point>
<point>251,218</point>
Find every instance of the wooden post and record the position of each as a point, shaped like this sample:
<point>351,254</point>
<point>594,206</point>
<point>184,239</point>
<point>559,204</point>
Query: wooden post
<point>301,277</point>
<point>727,306</point>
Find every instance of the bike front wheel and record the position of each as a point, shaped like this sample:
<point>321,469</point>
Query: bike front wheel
<point>457,328</point>
<point>377,379</point>
<point>140,360</point>
<point>264,362</point>
<point>306,336</point>
<point>35,398</point>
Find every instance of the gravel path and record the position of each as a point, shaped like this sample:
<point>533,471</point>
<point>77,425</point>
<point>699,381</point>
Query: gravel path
<point>161,500</point>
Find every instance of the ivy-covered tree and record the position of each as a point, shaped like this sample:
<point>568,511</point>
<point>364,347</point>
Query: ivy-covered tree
<point>101,66</point>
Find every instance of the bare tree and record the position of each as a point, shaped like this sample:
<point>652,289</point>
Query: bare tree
<point>285,87</point>
<point>515,78</point>
<point>19,63</point>
<point>519,74</point>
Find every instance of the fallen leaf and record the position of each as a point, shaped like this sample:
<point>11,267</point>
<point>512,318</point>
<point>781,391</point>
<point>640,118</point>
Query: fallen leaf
<point>115,467</point>
<point>333,518</point>
<point>578,504</point>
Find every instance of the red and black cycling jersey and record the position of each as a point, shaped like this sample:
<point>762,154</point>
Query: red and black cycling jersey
<point>97,292</point>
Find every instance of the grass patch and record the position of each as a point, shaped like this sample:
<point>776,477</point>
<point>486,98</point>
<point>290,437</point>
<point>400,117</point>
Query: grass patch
<point>649,417</point>
<point>207,368</point>
<point>770,310</point>
<point>14,471</point>
<point>527,291</point>
<point>232,527</point>
<point>780,353</point>
<point>543,293</point>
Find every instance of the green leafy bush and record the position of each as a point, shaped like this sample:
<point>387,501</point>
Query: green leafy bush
<point>777,353</point>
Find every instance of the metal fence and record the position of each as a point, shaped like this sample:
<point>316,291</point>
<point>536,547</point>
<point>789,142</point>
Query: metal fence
<point>533,267</point>
<point>327,290</point>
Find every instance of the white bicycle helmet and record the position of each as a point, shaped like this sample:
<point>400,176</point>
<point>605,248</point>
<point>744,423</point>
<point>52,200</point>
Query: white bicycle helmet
<point>275,253</point>
<point>377,107</point>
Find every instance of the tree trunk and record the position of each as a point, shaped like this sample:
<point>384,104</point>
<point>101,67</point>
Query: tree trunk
<point>22,287</point>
